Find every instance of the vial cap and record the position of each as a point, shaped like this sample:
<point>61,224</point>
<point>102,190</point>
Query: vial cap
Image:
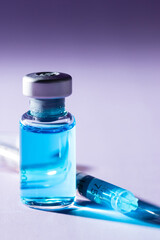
<point>47,85</point>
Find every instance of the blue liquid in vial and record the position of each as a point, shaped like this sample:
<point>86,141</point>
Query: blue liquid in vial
<point>48,168</point>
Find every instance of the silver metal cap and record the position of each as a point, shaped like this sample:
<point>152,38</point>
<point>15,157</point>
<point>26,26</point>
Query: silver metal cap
<point>47,85</point>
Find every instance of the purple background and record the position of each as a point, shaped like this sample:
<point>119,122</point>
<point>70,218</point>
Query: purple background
<point>112,50</point>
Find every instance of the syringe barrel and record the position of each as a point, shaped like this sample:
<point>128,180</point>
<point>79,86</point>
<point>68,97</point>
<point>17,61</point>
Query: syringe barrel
<point>105,193</point>
<point>95,189</point>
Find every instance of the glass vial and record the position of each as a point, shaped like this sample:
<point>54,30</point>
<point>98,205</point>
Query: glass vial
<point>47,142</point>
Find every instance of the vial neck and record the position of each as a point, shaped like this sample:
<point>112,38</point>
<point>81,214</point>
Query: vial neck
<point>47,108</point>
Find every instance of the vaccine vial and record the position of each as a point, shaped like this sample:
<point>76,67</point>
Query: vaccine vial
<point>47,142</point>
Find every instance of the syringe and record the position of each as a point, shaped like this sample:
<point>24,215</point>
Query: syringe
<point>106,194</point>
<point>90,187</point>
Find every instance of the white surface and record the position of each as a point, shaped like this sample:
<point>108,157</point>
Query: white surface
<point>118,136</point>
<point>20,222</point>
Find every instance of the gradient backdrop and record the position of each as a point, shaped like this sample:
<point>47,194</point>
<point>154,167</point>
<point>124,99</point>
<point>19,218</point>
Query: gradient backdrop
<point>112,50</point>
